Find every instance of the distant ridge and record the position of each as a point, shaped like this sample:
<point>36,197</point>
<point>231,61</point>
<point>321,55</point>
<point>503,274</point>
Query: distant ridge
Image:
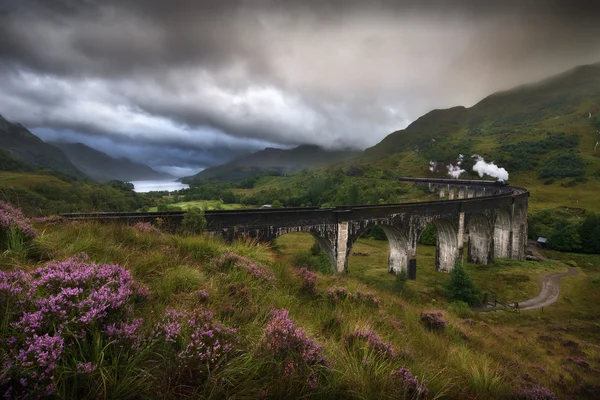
<point>273,161</point>
<point>103,168</point>
<point>24,145</point>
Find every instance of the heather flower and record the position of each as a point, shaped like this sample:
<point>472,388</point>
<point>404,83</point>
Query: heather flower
<point>256,270</point>
<point>308,280</point>
<point>202,295</point>
<point>200,342</point>
<point>52,307</point>
<point>29,369</point>
<point>13,218</point>
<point>296,353</point>
<point>337,293</point>
<point>535,393</point>
<point>144,227</point>
<point>372,340</point>
<point>85,368</point>
<point>411,387</point>
<point>367,298</point>
<point>433,320</point>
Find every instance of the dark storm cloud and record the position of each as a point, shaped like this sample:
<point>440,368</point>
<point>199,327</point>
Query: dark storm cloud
<point>220,76</point>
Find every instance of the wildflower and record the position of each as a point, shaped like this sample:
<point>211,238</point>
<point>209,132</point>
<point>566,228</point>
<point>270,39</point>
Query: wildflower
<point>296,352</point>
<point>433,320</point>
<point>308,280</point>
<point>337,293</point>
<point>258,271</point>
<point>144,227</point>
<point>413,389</point>
<point>85,368</point>
<point>535,393</point>
<point>372,340</point>
<point>201,343</point>
<point>367,298</point>
<point>13,218</point>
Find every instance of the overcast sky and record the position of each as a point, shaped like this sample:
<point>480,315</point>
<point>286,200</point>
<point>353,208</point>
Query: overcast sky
<point>181,85</point>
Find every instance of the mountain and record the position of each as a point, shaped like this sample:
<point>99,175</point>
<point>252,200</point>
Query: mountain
<point>103,168</point>
<point>22,144</point>
<point>545,134</point>
<point>271,161</point>
<point>559,103</point>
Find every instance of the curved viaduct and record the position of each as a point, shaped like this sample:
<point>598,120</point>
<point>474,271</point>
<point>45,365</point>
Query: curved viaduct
<point>491,219</point>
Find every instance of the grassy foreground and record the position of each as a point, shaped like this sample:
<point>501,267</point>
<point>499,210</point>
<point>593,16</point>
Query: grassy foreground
<point>475,356</point>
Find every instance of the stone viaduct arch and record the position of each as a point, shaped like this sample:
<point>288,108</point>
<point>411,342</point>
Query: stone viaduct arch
<point>492,218</point>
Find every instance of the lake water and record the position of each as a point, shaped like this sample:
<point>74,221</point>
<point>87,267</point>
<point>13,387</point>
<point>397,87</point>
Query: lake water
<point>149,186</point>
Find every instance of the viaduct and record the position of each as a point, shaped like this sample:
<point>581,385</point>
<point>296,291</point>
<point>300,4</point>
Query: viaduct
<point>490,218</point>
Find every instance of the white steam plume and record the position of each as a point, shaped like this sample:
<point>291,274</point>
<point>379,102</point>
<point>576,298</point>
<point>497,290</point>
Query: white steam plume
<point>491,169</point>
<point>432,166</point>
<point>455,171</point>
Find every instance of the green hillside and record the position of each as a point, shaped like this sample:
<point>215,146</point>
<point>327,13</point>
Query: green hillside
<point>23,144</point>
<point>104,168</point>
<point>272,161</point>
<point>544,134</point>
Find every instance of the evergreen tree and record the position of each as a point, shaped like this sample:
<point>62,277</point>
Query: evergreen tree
<point>460,287</point>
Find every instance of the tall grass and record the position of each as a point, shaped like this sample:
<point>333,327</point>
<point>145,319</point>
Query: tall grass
<point>476,356</point>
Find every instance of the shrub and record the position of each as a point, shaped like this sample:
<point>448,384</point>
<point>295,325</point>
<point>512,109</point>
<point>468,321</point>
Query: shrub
<point>535,393</point>
<point>257,271</point>
<point>52,310</point>
<point>368,299</point>
<point>308,280</point>
<point>410,386</point>
<point>15,229</point>
<point>337,293</point>
<point>199,343</point>
<point>461,309</point>
<point>460,287</point>
<point>433,320</point>
<point>193,221</point>
<point>296,354</point>
<point>562,165</point>
<point>143,227</point>
<point>356,340</point>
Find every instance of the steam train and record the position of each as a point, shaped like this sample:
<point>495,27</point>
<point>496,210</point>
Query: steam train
<point>453,181</point>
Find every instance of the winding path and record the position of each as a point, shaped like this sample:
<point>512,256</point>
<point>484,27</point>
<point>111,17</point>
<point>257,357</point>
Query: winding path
<point>549,292</point>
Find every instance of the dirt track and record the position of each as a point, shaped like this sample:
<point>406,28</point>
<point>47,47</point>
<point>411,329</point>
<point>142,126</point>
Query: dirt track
<point>549,292</point>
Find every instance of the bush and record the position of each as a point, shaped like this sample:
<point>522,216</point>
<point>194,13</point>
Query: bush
<point>308,280</point>
<point>50,315</point>
<point>252,268</point>
<point>197,342</point>
<point>429,236</point>
<point>461,309</point>
<point>194,221</point>
<point>15,229</point>
<point>562,165</point>
<point>411,388</point>
<point>296,354</point>
<point>460,287</point>
<point>565,237</point>
<point>359,339</point>
<point>433,320</point>
<point>535,393</point>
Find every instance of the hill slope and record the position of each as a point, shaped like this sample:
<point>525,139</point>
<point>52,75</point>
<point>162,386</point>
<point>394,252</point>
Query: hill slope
<point>20,142</point>
<point>102,167</point>
<point>544,134</point>
<point>273,162</point>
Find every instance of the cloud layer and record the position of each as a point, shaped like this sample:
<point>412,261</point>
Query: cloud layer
<point>189,84</point>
